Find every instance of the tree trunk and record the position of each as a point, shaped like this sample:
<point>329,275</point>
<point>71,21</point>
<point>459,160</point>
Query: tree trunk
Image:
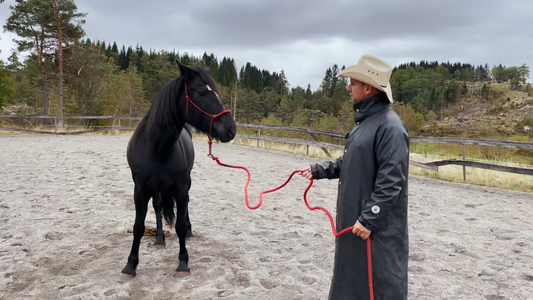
<point>235,101</point>
<point>45,90</point>
<point>60,59</point>
<point>39,44</point>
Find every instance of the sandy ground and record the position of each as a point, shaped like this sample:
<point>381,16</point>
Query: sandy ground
<point>66,205</point>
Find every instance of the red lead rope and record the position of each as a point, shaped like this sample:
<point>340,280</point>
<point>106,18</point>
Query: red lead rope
<point>368,249</point>
<point>213,117</point>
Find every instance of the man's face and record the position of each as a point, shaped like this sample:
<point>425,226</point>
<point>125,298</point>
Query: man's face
<point>358,90</point>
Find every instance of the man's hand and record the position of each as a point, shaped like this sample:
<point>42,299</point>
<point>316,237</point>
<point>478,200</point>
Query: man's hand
<point>361,231</point>
<point>307,173</point>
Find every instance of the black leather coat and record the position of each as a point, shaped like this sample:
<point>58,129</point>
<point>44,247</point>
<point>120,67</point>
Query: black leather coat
<point>373,176</point>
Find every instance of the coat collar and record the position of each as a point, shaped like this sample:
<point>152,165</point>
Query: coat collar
<point>363,109</point>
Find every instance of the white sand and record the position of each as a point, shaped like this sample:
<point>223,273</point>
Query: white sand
<point>66,205</point>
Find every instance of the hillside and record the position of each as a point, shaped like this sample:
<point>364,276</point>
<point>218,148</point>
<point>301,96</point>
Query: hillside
<point>500,113</point>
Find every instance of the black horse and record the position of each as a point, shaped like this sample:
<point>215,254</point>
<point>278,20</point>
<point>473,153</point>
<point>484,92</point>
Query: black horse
<point>160,154</point>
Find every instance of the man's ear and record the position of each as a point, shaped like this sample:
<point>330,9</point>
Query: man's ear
<point>185,71</point>
<point>369,89</point>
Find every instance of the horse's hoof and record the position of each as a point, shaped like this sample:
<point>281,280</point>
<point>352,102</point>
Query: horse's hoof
<point>159,246</point>
<point>182,275</point>
<point>126,277</point>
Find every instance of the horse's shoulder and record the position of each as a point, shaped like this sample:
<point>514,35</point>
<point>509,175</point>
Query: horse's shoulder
<point>188,128</point>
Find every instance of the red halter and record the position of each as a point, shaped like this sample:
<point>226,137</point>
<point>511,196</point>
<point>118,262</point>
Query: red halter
<point>212,116</point>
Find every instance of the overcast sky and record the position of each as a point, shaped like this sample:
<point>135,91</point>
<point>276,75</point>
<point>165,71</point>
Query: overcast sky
<point>305,37</point>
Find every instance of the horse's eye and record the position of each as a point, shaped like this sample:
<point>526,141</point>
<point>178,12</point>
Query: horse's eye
<point>201,93</point>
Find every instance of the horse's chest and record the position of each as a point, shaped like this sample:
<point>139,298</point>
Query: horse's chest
<point>158,177</point>
<point>160,170</point>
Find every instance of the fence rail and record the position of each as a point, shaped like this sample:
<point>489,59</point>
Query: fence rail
<point>312,140</point>
<point>475,164</point>
<point>15,116</point>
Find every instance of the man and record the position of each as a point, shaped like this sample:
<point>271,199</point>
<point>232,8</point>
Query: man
<point>372,191</point>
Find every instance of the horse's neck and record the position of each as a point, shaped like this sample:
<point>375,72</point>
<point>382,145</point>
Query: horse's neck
<point>166,127</point>
<point>164,136</point>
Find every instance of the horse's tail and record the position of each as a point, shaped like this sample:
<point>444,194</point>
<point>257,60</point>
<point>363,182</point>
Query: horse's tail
<point>168,208</point>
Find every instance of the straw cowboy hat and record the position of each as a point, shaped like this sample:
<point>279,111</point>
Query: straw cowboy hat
<point>373,71</point>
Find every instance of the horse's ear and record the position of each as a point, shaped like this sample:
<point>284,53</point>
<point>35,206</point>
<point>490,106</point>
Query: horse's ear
<point>185,71</point>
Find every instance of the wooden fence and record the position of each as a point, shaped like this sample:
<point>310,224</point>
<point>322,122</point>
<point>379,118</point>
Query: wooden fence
<point>312,140</point>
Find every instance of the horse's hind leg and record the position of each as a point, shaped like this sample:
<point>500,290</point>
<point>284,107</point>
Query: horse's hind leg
<point>160,234</point>
<point>182,200</point>
<point>141,207</point>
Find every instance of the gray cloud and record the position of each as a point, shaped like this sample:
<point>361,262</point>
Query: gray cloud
<point>306,37</point>
<point>266,23</point>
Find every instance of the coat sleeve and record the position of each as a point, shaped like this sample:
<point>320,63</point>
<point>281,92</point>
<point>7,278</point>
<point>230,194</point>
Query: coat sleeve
<point>392,157</point>
<point>327,169</point>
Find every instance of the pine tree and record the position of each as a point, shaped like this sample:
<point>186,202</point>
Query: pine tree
<point>283,83</point>
<point>127,59</point>
<point>334,78</point>
<point>65,29</point>
<point>308,93</point>
<point>6,85</point>
<point>122,59</point>
<point>29,20</point>
<point>523,73</point>
<point>14,63</point>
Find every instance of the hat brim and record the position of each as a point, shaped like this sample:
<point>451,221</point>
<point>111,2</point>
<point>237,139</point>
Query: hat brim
<point>353,72</point>
<point>388,91</point>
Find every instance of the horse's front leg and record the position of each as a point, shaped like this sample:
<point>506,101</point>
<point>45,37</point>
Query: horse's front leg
<point>160,234</point>
<point>189,227</point>
<point>182,201</point>
<point>141,199</point>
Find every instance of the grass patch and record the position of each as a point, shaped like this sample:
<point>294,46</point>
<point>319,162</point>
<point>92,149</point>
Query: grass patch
<point>447,151</point>
<point>480,177</point>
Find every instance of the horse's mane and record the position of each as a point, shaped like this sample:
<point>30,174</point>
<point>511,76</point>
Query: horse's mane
<point>163,114</point>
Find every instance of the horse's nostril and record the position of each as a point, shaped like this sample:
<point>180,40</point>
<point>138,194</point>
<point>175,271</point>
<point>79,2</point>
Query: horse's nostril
<point>231,130</point>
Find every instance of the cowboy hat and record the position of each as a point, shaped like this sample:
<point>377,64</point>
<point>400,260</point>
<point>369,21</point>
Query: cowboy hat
<point>371,70</point>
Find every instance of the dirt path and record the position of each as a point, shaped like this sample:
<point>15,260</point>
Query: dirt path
<point>66,205</point>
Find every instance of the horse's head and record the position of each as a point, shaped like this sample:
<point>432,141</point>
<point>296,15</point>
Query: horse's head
<point>204,108</point>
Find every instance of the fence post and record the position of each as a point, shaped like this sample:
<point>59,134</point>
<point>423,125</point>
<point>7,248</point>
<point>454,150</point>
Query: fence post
<point>258,136</point>
<point>55,125</point>
<point>464,158</point>
<point>307,140</point>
